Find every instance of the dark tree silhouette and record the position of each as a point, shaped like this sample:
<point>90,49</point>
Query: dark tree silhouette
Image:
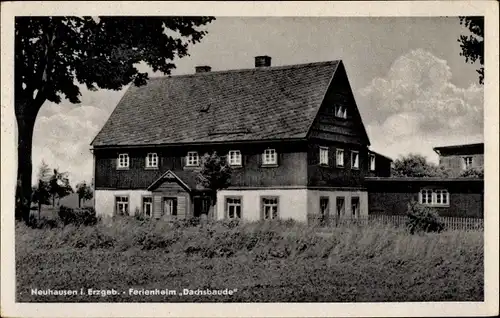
<point>85,192</point>
<point>415,165</point>
<point>54,54</point>
<point>473,44</point>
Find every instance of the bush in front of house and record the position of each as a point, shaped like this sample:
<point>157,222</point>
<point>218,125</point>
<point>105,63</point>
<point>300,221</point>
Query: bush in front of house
<point>422,219</point>
<point>80,216</point>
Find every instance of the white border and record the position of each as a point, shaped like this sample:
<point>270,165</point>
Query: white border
<point>373,8</point>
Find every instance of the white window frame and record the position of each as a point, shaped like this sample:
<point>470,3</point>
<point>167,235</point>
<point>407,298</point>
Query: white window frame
<point>339,157</point>
<point>341,111</point>
<point>372,162</point>
<point>340,213</point>
<point>273,202</point>
<point>150,204</point>
<point>123,161</point>
<point>234,158</point>
<point>122,201</point>
<point>323,156</point>
<point>324,210</point>
<point>229,205</point>
<point>192,159</point>
<point>467,164</point>
<point>152,160</point>
<point>354,159</point>
<point>434,197</point>
<point>269,157</point>
<point>355,212</point>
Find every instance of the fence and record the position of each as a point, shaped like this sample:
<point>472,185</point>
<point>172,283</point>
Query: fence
<point>450,223</point>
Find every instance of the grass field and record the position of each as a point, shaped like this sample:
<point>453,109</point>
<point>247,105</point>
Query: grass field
<point>259,262</point>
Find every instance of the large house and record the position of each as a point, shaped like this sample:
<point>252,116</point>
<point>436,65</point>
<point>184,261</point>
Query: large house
<point>292,134</point>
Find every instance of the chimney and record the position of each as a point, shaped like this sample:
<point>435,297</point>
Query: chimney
<point>202,69</point>
<point>262,61</point>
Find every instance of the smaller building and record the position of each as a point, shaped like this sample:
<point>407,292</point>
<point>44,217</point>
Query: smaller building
<point>459,158</point>
<point>453,197</point>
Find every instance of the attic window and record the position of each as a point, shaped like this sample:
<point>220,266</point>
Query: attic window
<point>340,111</point>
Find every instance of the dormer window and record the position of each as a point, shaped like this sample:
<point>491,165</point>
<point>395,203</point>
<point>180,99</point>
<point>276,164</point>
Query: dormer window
<point>354,160</point>
<point>123,161</point>
<point>152,160</point>
<point>270,157</point>
<point>234,158</point>
<point>192,159</point>
<point>372,162</point>
<point>340,111</point>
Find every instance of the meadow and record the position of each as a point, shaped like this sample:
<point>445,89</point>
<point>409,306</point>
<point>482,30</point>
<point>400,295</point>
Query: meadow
<point>260,262</point>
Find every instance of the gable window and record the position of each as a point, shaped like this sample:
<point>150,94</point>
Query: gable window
<point>233,208</point>
<point>121,205</point>
<point>323,156</point>
<point>354,160</point>
<point>147,206</point>
<point>270,157</point>
<point>372,162</point>
<point>152,160</point>
<point>234,157</point>
<point>123,161</point>
<point>324,205</point>
<point>340,206</point>
<point>340,111</point>
<point>192,159</point>
<point>270,208</point>
<point>355,206</point>
<point>340,157</point>
<point>467,162</point>
<point>434,197</point>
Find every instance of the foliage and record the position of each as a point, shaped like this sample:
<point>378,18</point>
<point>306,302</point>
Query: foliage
<point>215,173</point>
<point>273,261</point>
<point>415,165</point>
<point>55,53</point>
<point>83,216</point>
<point>59,186</point>
<point>473,173</point>
<point>422,219</point>
<point>84,192</point>
<point>40,192</point>
<point>473,45</point>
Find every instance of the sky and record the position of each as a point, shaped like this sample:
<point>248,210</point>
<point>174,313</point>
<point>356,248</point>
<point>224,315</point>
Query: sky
<point>413,89</point>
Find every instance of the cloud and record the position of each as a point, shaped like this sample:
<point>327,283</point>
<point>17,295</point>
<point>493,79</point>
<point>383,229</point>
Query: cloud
<point>415,107</point>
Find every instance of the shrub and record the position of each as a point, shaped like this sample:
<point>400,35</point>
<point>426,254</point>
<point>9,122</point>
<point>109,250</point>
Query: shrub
<point>82,216</point>
<point>422,219</point>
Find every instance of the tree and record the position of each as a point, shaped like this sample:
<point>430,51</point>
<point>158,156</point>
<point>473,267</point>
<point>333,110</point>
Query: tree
<point>85,192</point>
<point>40,192</point>
<point>473,45</point>
<point>215,174</point>
<point>473,173</point>
<point>53,54</point>
<point>415,165</point>
<point>59,186</point>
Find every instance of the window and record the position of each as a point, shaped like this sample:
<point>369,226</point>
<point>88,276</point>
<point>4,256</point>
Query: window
<point>147,206</point>
<point>355,206</point>
<point>270,157</point>
<point>123,161</point>
<point>323,155</point>
<point>234,158</point>
<point>372,162</point>
<point>434,197</point>
<point>152,160</point>
<point>354,160</point>
<point>169,206</point>
<point>270,208</point>
<point>340,157</point>
<point>324,204</point>
<point>340,206</point>
<point>121,205</point>
<point>192,159</point>
<point>340,111</point>
<point>467,162</point>
<point>233,208</point>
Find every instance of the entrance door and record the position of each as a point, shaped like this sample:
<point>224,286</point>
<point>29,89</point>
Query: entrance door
<point>201,206</point>
<point>169,206</point>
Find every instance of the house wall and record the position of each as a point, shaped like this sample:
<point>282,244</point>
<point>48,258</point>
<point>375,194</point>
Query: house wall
<point>466,199</point>
<point>456,162</point>
<point>105,200</point>
<point>313,200</point>
<point>292,203</point>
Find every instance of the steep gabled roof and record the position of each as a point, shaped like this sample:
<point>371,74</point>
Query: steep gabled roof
<point>262,103</point>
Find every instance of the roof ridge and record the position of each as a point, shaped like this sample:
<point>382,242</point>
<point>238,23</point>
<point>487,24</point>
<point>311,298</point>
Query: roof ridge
<point>259,69</point>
